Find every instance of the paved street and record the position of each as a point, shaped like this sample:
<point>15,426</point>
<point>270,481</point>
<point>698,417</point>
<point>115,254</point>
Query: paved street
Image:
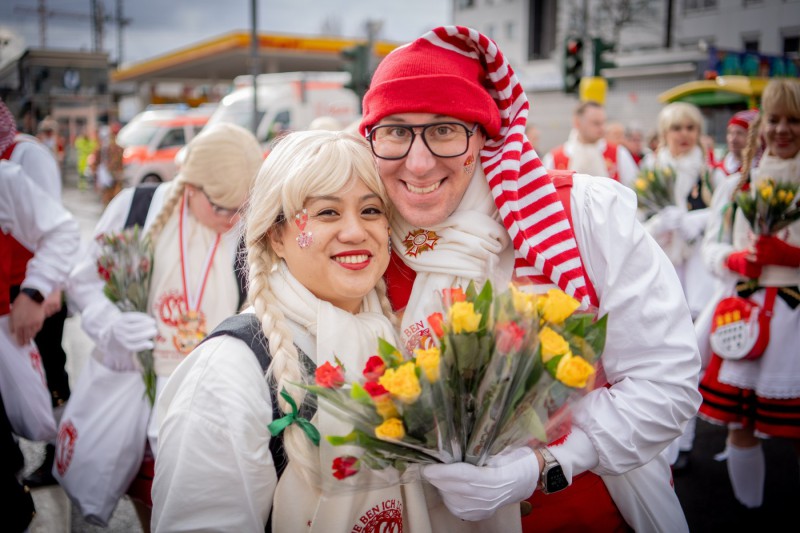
<point>704,490</point>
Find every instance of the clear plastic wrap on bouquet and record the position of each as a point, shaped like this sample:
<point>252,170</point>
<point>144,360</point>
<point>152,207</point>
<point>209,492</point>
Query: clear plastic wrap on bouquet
<point>500,371</point>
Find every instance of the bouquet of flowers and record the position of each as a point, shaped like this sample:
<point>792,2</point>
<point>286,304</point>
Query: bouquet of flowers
<point>772,207</point>
<point>655,188</point>
<point>125,263</point>
<point>501,370</point>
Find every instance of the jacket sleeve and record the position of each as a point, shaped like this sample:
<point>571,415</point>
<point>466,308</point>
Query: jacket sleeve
<point>626,167</point>
<point>85,286</point>
<point>651,359</point>
<point>718,239</point>
<point>214,470</point>
<point>40,224</point>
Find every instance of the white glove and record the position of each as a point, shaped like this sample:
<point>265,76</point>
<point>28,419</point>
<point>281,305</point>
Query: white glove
<point>129,333</point>
<point>693,224</point>
<point>476,492</point>
<point>670,218</point>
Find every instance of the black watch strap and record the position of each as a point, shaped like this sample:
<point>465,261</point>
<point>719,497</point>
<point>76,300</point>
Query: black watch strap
<point>33,294</point>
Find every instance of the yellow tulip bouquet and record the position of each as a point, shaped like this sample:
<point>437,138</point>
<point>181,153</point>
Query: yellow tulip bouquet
<point>498,371</point>
<point>771,207</point>
<point>655,188</point>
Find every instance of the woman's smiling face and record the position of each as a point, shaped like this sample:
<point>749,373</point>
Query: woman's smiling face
<point>349,249</point>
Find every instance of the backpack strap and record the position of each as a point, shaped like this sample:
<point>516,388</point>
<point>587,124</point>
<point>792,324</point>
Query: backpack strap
<point>562,180</point>
<point>140,204</point>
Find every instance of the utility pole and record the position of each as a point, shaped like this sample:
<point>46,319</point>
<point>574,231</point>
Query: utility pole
<point>96,16</point>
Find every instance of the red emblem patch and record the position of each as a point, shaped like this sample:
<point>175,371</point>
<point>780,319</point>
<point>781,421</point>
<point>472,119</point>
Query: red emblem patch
<point>419,241</point>
<point>67,436</point>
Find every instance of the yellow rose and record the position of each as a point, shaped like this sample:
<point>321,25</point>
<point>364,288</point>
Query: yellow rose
<point>651,176</point>
<point>766,192</point>
<point>464,318</point>
<point>558,306</point>
<point>640,184</point>
<point>385,406</point>
<point>402,382</point>
<point>428,361</point>
<point>667,171</point>
<point>574,371</point>
<point>524,302</point>
<point>552,344</point>
<point>391,429</point>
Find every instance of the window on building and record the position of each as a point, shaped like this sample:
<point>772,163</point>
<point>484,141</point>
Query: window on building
<point>510,30</point>
<point>464,4</point>
<point>698,5</point>
<point>791,45</point>
<point>750,43</point>
<point>541,28</point>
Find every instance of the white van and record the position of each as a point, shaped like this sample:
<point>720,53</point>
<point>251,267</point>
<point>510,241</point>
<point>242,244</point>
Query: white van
<point>288,101</point>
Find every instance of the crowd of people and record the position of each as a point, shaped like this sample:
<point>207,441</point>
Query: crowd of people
<point>259,265</point>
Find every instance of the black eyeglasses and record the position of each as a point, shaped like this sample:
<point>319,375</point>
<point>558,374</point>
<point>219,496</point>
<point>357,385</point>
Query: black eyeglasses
<point>218,209</point>
<point>443,139</point>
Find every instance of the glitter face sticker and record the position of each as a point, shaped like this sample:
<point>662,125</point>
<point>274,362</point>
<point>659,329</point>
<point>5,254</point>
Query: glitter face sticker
<point>304,240</point>
<point>469,165</point>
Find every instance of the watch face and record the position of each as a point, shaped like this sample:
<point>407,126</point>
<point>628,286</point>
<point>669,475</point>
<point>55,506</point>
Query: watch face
<point>555,479</point>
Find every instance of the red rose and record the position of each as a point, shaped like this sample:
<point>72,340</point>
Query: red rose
<point>374,368</point>
<point>456,294</point>
<point>329,376</point>
<point>375,390</point>
<point>345,466</point>
<point>105,274</point>
<point>509,337</point>
<point>435,320</point>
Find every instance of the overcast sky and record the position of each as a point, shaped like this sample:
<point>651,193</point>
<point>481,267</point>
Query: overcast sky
<point>159,26</point>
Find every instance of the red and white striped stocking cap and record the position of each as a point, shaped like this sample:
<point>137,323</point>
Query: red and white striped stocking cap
<point>457,71</point>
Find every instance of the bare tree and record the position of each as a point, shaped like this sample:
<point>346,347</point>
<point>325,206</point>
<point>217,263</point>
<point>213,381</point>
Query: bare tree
<point>611,16</point>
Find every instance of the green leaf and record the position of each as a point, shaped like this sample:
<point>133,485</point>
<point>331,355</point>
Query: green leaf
<point>388,352</point>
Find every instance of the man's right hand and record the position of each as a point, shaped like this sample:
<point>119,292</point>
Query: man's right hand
<point>26,318</point>
<point>742,262</point>
<point>131,332</point>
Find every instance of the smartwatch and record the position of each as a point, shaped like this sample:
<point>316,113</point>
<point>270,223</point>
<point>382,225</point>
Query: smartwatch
<point>552,478</point>
<point>33,294</point>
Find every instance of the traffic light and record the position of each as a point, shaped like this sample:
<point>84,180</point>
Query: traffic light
<point>573,64</point>
<point>600,47</point>
<point>356,62</point>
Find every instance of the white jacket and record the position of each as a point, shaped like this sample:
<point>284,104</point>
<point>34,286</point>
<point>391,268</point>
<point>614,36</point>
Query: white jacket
<point>40,224</point>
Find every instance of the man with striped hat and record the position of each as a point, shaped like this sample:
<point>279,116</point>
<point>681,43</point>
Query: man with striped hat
<point>446,116</point>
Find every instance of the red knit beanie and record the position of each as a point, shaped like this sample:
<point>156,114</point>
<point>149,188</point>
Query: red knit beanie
<point>421,77</point>
<point>743,119</point>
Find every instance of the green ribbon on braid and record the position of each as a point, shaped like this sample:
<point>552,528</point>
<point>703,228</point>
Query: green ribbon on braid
<point>277,426</point>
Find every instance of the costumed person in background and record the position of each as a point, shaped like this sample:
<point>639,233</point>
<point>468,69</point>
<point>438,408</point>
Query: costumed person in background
<point>28,216</point>
<point>736,139</point>
<point>47,133</point>
<point>679,228</point>
<point>193,223</point>
<point>587,152</point>
<point>760,397</point>
<point>488,209</point>
<point>317,247</point>
<point>40,165</point>
<point>106,164</point>
<point>634,142</point>
<point>85,145</point>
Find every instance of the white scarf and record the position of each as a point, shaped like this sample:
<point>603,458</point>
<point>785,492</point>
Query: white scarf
<point>470,246</point>
<point>586,158</point>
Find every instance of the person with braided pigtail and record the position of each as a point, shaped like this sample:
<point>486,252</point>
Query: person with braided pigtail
<point>317,237</point>
<point>758,398</point>
<point>194,225</point>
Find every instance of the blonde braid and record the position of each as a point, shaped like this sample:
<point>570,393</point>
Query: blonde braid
<point>170,203</point>
<point>748,154</point>
<point>386,306</point>
<point>286,366</point>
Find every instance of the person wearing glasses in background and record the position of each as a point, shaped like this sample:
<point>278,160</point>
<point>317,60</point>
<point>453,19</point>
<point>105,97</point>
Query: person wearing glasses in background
<point>194,224</point>
<point>445,116</point>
